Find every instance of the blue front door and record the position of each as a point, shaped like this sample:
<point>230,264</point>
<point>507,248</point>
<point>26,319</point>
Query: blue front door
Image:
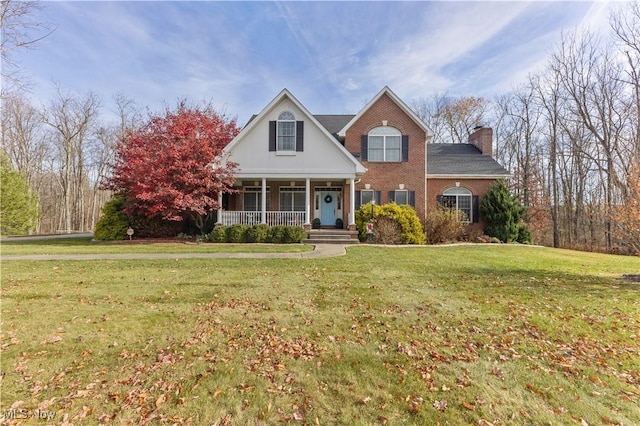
<point>328,204</point>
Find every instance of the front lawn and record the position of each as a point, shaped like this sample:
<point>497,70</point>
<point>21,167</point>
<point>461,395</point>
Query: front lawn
<point>89,246</point>
<point>417,335</point>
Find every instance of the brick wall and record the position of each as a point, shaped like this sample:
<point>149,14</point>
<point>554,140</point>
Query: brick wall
<point>477,187</point>
<point>387,176</point>
<point>482,138</point>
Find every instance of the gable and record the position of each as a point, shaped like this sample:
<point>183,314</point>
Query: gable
<point>386,93</point>
<point>317,153</point>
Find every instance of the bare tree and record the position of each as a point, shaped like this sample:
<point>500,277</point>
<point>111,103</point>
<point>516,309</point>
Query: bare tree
<point>625,23</point>
<point>23,138</point>
<point>428,109</point>
<point>71,119</point>
<point>21,27</point>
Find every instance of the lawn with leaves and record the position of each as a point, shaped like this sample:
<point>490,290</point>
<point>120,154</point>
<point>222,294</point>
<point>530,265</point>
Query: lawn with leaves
<point>89,246</point>
<point>423,335</point>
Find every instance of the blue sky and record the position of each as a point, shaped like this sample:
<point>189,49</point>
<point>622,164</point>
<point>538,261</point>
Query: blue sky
<point>333,56</point>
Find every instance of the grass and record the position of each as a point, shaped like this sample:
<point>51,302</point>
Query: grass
<point>89,246</point>
<point>429,335</point>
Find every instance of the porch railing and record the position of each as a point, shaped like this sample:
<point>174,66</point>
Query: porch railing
<point>252,218</point>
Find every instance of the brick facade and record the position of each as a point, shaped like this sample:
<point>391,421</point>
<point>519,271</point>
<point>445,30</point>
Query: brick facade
<point>436,187</point>
<point>388,176</point>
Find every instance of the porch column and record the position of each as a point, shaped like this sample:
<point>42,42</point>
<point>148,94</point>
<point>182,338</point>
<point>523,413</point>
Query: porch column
<point>219,214</point>
<point>307,202</point>
<point>263,208</point>
<point>352,202</point>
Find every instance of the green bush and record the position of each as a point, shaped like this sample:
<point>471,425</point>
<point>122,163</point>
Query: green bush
<point>442,225</point>
<point>257,233</point>
<point>113,223</point>
<point>411,229</point>
<point>276,234</point>
<point>236,233</point>
<point>524,234</point>
<point>293,234</point>
<point>502,212</point>
<point>217,235</point>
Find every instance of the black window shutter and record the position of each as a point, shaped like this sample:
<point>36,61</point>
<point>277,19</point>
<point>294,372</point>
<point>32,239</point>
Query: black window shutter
<point>299,136</point>
<point>392,196</point>
<point>357,200</point>
<point>440,200</point>
<point>364,148</point>
<point>412,198</point>
<point>476,210</point>
<point>272,136</point>
<point>377,197</point>
<point>405,147</point>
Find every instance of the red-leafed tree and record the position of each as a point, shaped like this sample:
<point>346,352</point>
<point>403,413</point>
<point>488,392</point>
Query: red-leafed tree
<point>172,168</point>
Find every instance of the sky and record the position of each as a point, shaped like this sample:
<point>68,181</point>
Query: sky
<point>332,56</point>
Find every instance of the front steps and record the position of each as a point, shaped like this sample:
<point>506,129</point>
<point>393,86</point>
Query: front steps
<point>331,236</point>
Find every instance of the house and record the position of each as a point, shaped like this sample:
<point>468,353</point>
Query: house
<point>295,167</point>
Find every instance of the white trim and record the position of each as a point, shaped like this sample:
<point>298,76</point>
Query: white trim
<point>398,101</point>
<point>285,94</point>
<point>463,177</point>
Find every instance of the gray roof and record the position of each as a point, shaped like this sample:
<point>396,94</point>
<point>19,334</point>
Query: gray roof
<point>461,159</point>
<point>334,123</point>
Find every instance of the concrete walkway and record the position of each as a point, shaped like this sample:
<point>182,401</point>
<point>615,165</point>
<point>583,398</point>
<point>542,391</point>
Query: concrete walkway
<point>319,251</point>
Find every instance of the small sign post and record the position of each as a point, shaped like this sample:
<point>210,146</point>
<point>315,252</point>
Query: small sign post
<point>370,228</point>
<point>130,232</point>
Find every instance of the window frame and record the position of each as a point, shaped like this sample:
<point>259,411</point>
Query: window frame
<point>286,117</point>
<point>384,134</point>
<point>293,190</point>
<point>451,199</point>
<point>257,192</point>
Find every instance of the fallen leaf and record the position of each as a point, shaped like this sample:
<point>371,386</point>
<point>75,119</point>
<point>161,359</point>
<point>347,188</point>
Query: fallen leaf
<point>440,405</point>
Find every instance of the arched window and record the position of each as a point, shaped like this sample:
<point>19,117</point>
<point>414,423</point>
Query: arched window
<point>459,199</point>
<point>385,144</point>
<point>286,132</point>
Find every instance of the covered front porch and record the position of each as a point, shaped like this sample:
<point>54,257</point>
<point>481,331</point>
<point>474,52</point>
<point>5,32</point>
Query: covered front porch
<point>308,202</point>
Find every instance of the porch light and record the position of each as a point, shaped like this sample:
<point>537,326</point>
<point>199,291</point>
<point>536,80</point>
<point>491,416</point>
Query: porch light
<point>328,183</point>
<point>293,183</point>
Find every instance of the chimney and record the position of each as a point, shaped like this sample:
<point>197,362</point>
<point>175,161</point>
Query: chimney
<point>482,138</point>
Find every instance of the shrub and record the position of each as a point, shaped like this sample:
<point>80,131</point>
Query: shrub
<point>411,231</point>
<point>113,223</point>
<point>387,231</point>
<point>442,225</point>
<point>293,234</point>
<point>236,233</point>
<point>524,234</point>
<point>257,233</point>
<point>217,235</point>
<point>502,211</point>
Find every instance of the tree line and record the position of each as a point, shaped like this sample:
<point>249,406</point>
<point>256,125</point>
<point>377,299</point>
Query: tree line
<point>570,135</point>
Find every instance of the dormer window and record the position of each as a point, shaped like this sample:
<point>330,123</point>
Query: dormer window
<point>286,132</point>
<point>286,135</point>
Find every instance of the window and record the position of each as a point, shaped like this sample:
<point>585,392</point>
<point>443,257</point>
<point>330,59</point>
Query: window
<point>252,199</point>
<point>366,195</point>
<point>460,200</point>
<point>292,199</point>
<point>286,132</point>
<point>385,144</point>
<point>401,196</point>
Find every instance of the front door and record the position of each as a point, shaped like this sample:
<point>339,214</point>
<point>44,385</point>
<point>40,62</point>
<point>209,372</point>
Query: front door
<point>328,203</point>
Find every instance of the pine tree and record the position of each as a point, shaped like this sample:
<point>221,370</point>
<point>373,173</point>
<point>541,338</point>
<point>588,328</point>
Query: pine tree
<point>502,212</point>
<point>18,205</point>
